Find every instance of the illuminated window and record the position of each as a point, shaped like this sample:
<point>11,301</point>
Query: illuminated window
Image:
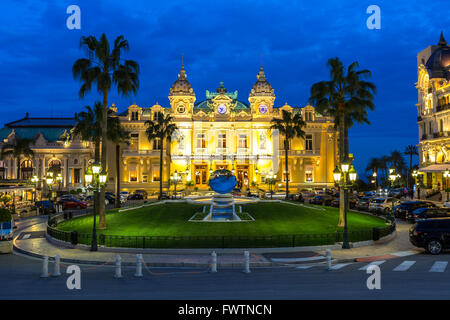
<point>134,141</point>
<point>133,172</point>
<point>308,176</point>
<point>134,115</point>
<point>157,144</point>
<point>222,140</point>
<point>144,178</point>
<point>242,143</point>
<point>155,173</point>
<point>308,142</point>
<point>157,115</point>
<point>201,140</point>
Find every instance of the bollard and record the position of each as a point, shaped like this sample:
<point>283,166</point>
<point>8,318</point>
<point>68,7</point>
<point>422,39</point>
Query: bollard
<point>118,273</point>
<point>45,268</point>
<point>56,269</point>
<point>213,262</point>
<point>328,255</point>
<point>138,265</point>
<point>246,262</point>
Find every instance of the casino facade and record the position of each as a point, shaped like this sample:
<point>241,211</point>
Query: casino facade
<point>219,131</point>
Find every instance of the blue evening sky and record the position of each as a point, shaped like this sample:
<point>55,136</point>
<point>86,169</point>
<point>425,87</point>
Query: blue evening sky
<point>223,41</point>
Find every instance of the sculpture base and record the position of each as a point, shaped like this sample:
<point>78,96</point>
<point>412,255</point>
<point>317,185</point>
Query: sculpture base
<point>222,208</point>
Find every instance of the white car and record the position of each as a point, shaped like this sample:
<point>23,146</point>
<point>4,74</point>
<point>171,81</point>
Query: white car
<point>124,195</point>
<point>382,205</point>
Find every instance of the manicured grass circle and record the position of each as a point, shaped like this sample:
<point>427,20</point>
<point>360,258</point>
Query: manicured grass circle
<point>271,219</point>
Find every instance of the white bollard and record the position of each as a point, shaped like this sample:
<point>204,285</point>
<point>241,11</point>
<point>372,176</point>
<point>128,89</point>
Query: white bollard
<point>44,273</point>
<point>138,266</point>
<point>56,269</point>
<point>213,261</point>
<point>246,262</point>
<point>118,273</point>
<point>328,255</point>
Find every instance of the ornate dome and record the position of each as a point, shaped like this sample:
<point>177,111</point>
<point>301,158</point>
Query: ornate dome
<point>261,86</point>
<point>438,64</point>
<point>181,86</point>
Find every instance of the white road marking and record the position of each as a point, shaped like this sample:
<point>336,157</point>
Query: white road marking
<point>303,267</point>
<point>374,263</point>
<point>26,236</point>
<point>439,266</point>
<point>404,253</point>
<point>339,266</point>
<point>404,266</point>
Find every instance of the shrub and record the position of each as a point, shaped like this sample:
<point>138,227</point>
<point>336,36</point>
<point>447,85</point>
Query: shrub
<point>5,215</point>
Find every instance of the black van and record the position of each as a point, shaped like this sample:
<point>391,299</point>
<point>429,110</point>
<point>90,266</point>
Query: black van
<point>431,234</point>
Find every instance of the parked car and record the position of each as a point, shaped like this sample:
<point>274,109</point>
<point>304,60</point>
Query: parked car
<point>45,207</point>
<point>135,196</point>
<point>124,195</point>
<point>363,203</point>
<point>431,234</point>
<point>72,203</point>
<point>382,205</point>
<point>324,200</point>
<point>426,213</point>
<point>143,192</point>
<point>408,207</point>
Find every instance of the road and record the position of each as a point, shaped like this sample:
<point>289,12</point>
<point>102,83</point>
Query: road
<point>20,279</point>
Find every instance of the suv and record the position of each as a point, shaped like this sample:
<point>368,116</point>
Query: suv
<point>431,234</point>
<point>143,192</point>
<point>406,208</point>
<point>425,213</point>
<point>382,205</point>
<point>323,199</point>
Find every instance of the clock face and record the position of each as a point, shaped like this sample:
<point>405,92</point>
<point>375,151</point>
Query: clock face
<point>181,109</point>
<point>221,109</point>
<point>262,109</point>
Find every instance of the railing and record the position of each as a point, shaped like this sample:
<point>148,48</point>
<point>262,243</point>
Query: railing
<point>442,107</point>
<point>200,150</point>
<point>290,240</point>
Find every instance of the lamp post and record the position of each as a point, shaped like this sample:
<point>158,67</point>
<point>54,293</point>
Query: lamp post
<point>345,176</point>
<point>35,180</point>
<point>96,177</point>
<point>374,175</point>
<point>446,176</point>
<point>271,178</point>
<point>175,179</point>
<point>49,180</point>
<point>414,174</point>
<point>392,176</point>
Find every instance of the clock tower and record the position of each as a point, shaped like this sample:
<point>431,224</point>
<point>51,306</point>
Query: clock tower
<point>181,96</point>
<point>262,96</point>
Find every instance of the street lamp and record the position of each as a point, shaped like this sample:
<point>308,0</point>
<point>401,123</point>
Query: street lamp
<point>35,180</point>
<point>175,179</point>
<point>96,177</point>
<point>374,175</point>
<point>345,176</point>
<point>392,176</point>
<point>49,181</point>
<point>446,176</point>
<point>414,174</point>
<point>271,179</point>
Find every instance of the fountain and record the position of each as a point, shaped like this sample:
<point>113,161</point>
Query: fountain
<point>222,205</point>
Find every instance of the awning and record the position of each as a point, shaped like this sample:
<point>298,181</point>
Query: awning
<point>436,168</point>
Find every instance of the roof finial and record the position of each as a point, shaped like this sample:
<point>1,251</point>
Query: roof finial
<point>261,60</point>
<point>442,41</point>
<point>182,60</point>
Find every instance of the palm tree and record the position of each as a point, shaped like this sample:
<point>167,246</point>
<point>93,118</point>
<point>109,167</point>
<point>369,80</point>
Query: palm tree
<point>161,129</point>
<point>88,127</point>
<point>290,126</point>
<point>346,97</point>
<point>16,149</point>
<point>410,151</point>
<point>102,68</point>
<point>373,166</point>
<point>117,135</point>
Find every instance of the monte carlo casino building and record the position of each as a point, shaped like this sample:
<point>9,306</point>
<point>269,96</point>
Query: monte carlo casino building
<point>219,131</point>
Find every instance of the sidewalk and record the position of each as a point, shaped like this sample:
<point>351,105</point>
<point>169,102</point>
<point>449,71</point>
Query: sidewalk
<point>382,249</point>
<point>32,242</point>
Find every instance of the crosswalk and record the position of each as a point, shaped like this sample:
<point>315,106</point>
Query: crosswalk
<point>396,266</point>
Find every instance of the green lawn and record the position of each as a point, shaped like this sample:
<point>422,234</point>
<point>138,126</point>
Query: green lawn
<point>272,219</point>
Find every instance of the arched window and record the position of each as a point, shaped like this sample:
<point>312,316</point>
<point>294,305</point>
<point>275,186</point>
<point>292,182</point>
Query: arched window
<point>26,169</point>
<point>54,166</point>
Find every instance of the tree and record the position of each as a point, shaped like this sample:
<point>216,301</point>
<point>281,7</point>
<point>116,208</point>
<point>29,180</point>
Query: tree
<point>346,97</point>
<point>16,149</point>
<point>290,126</point>
<point>117,135</point>
<point>373,166</point>
<point>161,129</point>
<point>410,151</point>
<point>102,68</point>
